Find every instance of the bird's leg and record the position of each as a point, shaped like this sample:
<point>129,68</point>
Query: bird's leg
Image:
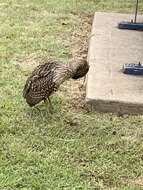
<point>45,101</point>
<point>48,104</point>
<point>51,107</point>
<point>84,79</point>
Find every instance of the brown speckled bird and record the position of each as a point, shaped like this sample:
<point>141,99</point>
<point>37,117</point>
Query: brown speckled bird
<point>47,78</point>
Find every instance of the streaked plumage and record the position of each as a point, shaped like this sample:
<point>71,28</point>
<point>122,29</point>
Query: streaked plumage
<point>47,78</point>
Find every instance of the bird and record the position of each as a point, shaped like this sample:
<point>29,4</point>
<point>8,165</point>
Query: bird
<point>46,78</point>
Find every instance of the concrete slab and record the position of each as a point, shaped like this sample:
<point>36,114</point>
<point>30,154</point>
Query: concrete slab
<point>108,89</point>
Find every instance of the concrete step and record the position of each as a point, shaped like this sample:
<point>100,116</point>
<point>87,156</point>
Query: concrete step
<point>108,89</point>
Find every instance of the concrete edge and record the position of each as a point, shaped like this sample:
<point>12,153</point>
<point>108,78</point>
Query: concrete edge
<point>107,106</point>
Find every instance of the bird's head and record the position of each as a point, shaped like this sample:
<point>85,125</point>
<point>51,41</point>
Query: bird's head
<point>80,69</point>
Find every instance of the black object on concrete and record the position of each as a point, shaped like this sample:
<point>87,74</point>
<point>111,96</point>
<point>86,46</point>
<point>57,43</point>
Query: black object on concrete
<point>133,69</point>
<point>133,25</point>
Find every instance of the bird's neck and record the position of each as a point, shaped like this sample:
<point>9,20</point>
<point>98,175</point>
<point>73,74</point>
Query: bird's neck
<point>62,73</point>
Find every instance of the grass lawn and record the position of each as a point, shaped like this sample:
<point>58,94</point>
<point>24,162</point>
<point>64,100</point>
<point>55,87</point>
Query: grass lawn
<point>72,149</point>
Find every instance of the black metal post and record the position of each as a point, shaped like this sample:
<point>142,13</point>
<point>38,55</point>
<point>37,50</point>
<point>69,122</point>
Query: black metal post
<point>136,11</point>
<point>133,25</point>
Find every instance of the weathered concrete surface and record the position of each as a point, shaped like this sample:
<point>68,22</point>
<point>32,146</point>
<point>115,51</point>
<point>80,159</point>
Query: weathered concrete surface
<point>108,89</point>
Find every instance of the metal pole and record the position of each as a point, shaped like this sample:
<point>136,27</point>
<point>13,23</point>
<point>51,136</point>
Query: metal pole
<point>136,11</point>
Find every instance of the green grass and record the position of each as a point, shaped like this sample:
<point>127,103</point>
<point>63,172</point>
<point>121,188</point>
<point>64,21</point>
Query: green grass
<point>70,149</point>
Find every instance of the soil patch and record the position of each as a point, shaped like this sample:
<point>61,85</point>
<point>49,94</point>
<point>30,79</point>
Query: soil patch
<point>73,90</point>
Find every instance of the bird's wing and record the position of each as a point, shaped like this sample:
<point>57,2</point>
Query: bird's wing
<point>26,88</point>
<point>39,74</point>
<point>44,69</point>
